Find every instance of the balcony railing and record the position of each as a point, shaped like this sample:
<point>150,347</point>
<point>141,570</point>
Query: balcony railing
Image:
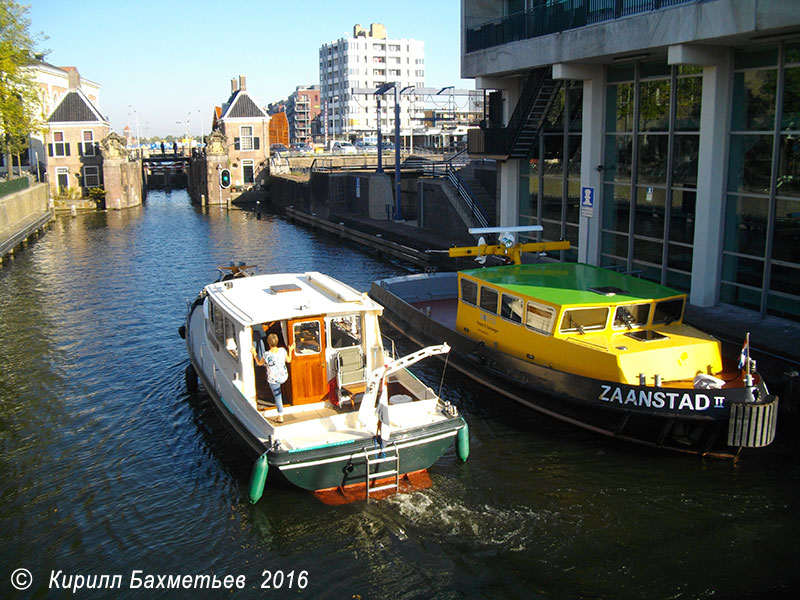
<point>557,17</point>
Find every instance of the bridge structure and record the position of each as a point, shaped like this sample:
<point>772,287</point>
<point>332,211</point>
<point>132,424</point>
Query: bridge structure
<point>167,170</point>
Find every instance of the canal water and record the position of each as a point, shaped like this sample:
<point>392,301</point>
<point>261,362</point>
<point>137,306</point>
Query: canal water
<point>109,466</point>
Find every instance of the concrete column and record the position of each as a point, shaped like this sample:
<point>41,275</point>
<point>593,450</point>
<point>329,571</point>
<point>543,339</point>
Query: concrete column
<point>591,152</point>
<point>508,209</point>
<point>717,66</point>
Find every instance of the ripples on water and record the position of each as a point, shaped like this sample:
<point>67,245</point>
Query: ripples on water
<point>108,465</point>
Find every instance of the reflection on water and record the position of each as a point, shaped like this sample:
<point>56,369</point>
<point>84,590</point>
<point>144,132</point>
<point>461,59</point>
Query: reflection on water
<point>108,465</point>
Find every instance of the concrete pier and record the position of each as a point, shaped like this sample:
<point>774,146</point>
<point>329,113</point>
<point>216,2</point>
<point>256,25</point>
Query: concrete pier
<point>22,214</point>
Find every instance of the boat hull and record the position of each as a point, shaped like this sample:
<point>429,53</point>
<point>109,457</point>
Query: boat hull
<point>683,419</point>
<point>330,465</point>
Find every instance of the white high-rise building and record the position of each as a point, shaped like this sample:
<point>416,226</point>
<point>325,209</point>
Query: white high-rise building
<point>368,59</point>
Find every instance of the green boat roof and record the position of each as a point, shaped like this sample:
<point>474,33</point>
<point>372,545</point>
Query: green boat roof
<point>572,283</point>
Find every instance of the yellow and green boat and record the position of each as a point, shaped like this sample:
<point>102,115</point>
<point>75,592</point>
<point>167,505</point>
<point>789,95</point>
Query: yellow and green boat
<point>611,352</point>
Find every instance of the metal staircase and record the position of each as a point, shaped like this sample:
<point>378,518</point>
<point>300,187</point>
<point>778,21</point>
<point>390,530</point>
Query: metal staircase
<point>387,454</point>
<point>516,139</point>
<point>528,117</point>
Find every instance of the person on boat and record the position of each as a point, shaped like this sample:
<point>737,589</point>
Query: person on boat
<point>275,360</point>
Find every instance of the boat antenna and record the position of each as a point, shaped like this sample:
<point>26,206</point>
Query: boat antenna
<point>441,383</point>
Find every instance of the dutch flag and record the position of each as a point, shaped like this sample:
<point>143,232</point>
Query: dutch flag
<point>745,353</point>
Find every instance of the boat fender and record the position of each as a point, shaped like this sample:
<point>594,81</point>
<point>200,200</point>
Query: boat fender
<point>258,478</point>
<point>462,443</point>
<point>191,378</point>
<point>182,331</point>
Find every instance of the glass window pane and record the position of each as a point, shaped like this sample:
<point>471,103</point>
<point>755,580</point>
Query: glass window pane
<point>679,257</point>
<point>619,107</point>
<point>668,311</point>
<point>684,162</point>
<point>551,203</point>
<point>647,251</point>
<point>785,279</point>
<point>615,245</point>
<point>469,291</point>
<point>346,331</point>
<point>575,93</point>
<point>653,156</point>
<point>746,298</point>
<point>551,230</point>
<point>747,271</point>
<point>554,120</point>
<point>688,104</point>
<point>624,72</point>
<point>616,207</point>
<point>654,105</point>
<point>574,167</point>
<point>553,154</point>
<point>787,231</point>
<point>539,317</point>
<point>681,216</point>
<point>584,319</point>
<point>754,95</point>
<point>791,100</point>
<point>750,163</point>
<point>488,299</point>
<point>650,208</point>
<point>573,202</point>
<point>789,166</point>
<point>792,53</point>
<point>631,315</point>
<point>306,337</point>
<point>656,68</point>
<point>572,236</point>
<point>679,281</point>
<point>746,225</point>
<point>511,308</point>
<point>618,159</point>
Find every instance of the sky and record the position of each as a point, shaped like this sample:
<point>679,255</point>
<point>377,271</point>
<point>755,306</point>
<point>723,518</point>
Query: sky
<point>165,62</point>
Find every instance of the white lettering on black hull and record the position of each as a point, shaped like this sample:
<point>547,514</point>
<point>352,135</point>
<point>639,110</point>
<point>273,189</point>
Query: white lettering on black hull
<point>689,401</point>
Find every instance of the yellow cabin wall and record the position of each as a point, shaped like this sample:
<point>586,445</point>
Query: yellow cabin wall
<point>596,354</point>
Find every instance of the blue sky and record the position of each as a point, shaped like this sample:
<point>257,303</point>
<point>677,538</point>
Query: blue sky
<point>173,59</point>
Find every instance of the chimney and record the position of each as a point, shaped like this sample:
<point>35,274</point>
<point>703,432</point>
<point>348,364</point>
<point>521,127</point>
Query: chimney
<point>242,83</point>
<point>233,86</point>
<point>73,78</point>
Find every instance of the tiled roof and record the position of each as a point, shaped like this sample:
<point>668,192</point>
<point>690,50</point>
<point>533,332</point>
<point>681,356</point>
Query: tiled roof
<point>241,106</point>
<point>75,107</point>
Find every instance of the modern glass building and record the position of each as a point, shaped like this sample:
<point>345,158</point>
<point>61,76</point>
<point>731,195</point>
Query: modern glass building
<point>668,136</point>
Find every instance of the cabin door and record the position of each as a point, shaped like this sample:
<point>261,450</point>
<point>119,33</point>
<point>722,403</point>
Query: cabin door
<point>307,371</point>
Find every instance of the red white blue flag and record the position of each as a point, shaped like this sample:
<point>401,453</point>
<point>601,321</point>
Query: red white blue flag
<point>745,353</point>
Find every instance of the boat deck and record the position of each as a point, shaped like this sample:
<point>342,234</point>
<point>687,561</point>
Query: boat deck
<point>441,311</point>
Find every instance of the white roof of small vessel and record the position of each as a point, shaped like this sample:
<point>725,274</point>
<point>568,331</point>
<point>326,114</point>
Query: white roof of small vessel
<point>264,298</point>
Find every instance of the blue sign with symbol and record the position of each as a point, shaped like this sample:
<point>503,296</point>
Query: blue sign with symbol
<point>587,202</point>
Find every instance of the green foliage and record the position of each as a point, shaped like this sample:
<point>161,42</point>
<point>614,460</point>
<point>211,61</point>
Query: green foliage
<point>20,112</point>
<point>97,194</point>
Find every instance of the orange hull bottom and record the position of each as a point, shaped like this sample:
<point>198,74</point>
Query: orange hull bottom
<point>410,482</point>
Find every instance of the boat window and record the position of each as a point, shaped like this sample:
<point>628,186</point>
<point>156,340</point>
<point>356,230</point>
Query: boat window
<point>581,320</point>
<point>218,320</point>
<point>306,337</point>
<point>488,299</point>
<point>668,311</point>
<point>511,308</point>
<point>631,315</point>
<point>540,318</point>
<point>469,292</point>
<point>231,344</point>
<point>345,331</point>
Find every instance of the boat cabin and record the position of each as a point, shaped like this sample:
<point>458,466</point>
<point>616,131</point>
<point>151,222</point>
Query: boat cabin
<point>585,320</point>
<point>334,329</point>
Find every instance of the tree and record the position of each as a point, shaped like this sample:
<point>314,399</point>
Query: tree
<point>20,110</point>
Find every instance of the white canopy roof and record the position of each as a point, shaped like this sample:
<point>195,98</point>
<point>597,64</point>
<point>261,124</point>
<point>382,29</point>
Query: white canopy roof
<point>263,298</point>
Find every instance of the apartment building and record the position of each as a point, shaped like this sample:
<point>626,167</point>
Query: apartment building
<point>657,136</point>
<point>367,59</point>
<point>302,107</point>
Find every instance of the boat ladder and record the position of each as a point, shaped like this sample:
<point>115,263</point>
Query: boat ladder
<point>378,456</point>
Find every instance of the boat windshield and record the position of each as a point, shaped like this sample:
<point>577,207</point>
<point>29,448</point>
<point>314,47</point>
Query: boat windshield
<point>581,320</point>
<point>668,311</point>
<point>631,315</point>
